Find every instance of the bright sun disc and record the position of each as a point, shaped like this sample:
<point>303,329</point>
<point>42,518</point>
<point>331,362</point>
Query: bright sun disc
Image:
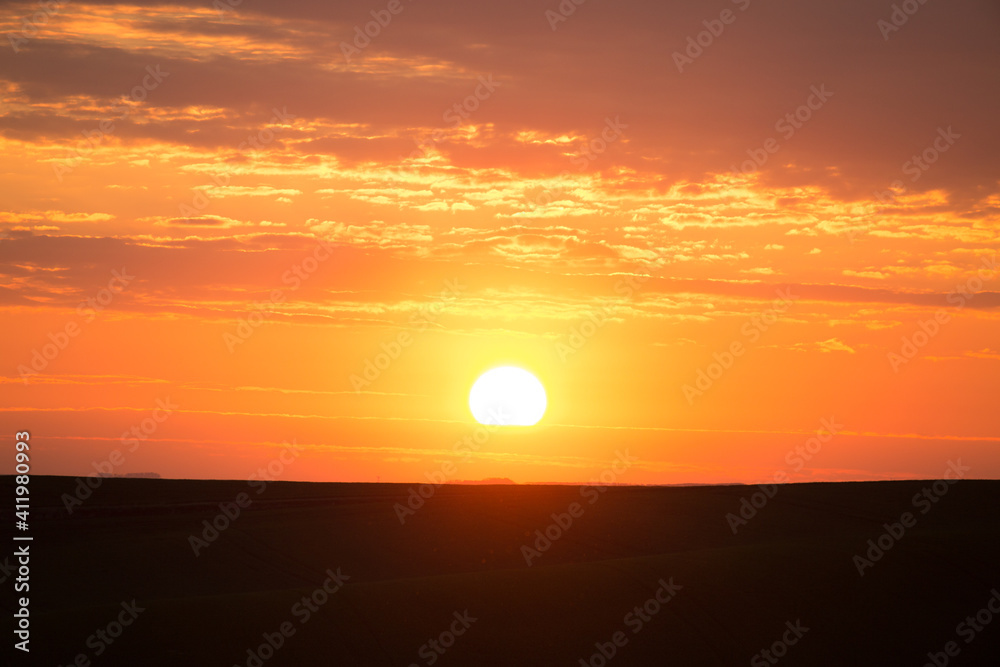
<point>507,396</point>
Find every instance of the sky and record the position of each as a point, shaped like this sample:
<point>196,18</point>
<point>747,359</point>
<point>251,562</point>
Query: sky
<point>734,240</point>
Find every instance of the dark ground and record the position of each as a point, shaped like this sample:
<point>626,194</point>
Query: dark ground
<point>793,562</point>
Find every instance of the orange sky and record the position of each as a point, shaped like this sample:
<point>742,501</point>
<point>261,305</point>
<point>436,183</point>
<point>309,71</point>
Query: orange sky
<point>219,210</point>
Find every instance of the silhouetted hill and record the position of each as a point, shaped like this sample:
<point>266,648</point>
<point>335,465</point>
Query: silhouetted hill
<point>491,480</point>
<point>461,555</point>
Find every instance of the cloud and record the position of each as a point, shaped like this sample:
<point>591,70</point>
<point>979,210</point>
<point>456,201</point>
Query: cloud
<point>411,78</point>
<point>52,216</point>
<point>212,221</point>
<point>825,346</point>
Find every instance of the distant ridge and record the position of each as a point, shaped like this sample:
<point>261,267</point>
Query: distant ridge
<point>490,480</point>
<point>144,475</point>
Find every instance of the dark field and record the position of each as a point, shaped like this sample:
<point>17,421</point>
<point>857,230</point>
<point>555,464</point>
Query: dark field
<point>407,584</point>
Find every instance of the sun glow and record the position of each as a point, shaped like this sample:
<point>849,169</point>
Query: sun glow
<point>507,396</point>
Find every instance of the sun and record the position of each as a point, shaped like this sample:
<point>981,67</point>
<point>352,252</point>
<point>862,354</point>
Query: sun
<point>507,396</point>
